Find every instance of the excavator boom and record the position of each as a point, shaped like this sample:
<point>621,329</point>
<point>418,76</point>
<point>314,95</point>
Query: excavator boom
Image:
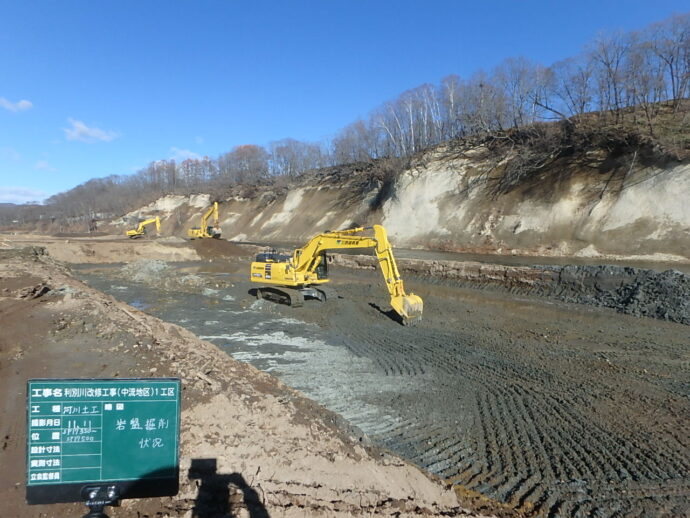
<point>205,230</point>
<point>307,266</point>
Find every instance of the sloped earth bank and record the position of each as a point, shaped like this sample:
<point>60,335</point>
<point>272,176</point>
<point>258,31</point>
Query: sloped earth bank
<point>591,203</point>
<point>555,408</point>
<point>277,453</point>
<point>104,249</point>
<point>634,291</point>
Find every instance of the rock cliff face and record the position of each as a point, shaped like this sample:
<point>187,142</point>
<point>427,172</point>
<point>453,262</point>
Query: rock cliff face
<point>588,204</point>
<point>582,206</point>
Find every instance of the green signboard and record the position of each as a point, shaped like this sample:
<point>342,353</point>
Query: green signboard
<point>117,433</point>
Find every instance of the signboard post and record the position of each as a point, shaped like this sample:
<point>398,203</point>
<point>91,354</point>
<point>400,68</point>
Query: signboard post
<point>101,440</point>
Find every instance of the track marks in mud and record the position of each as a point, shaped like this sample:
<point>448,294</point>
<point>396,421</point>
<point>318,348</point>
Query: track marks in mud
<point>515,420</point>
<point>566,413</point>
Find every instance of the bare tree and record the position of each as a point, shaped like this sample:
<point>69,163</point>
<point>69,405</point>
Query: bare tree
<point>670,42</point>
<point>291,157</point>
<point>608,54</point>
<point>449,98</point>
<point>518,78</point>
<point>571,85</point>
<point>245,164</point>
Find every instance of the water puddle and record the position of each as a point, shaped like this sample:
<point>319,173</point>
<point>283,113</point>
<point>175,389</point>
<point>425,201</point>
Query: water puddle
<point>254,331</point>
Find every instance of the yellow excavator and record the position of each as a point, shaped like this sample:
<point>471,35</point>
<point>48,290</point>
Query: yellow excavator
<point>304,273</point>
<point>140,231</point>
<point>205,230</point>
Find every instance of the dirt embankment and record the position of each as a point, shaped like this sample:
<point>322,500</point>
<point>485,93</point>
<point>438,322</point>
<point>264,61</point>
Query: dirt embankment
<point>86,248</point>
<point>634,291</point>
<point>282,454</point>
<point>591,203</point>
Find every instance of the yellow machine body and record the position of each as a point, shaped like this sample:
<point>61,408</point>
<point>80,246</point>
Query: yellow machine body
<point>204,230</point>
<point>307,266</point>
<point>141,228</point>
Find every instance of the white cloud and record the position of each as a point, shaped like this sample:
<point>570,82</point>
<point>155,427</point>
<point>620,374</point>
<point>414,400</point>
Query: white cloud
<point>80,131</point>
<point>43,165</point>
<point>19,106</point>
<point>7,153</point>
<point>21,195</point>
<point>183,154</point>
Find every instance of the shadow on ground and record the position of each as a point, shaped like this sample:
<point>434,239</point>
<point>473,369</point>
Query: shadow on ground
<point>223,495</point>
<point>390,313</point>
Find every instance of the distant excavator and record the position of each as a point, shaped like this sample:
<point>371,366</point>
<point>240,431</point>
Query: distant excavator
<point>140,231</point>
<point>304,273</point>
<point>204,230</point>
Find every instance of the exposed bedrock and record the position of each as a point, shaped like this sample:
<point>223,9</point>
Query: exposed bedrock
<point>634,291</point>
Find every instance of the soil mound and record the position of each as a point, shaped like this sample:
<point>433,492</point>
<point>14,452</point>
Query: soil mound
<point>146,270</point>
<point>161,275</point>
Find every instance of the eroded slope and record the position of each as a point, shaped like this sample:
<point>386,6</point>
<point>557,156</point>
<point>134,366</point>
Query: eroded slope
<point>454,197</point>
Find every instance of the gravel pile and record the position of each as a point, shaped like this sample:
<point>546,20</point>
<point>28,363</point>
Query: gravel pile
<point>146,270</point>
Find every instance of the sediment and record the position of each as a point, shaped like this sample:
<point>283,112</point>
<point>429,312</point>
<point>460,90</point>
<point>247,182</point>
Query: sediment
<point>282,454</point>
<point>511,391</point>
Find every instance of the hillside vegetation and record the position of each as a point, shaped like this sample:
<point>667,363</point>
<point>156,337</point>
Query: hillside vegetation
<point>624,92</point>
<point>618,197</point>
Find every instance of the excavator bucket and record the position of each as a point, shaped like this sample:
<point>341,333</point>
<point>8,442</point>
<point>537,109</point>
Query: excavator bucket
<point>409,307</point>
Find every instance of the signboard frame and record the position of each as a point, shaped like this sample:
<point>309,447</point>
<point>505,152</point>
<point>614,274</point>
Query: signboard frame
<point>155,483</point>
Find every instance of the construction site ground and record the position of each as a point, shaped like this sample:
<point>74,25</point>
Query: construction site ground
<point>545,406</point>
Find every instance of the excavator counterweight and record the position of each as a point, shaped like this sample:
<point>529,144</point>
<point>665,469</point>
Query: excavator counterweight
<point>291,277</point>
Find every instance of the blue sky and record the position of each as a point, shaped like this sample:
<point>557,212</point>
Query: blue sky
<point>89,89</point>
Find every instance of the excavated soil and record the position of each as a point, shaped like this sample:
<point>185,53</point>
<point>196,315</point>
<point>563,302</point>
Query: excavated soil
<point>250,445</point>
<point>215,248</point>
<point>635,291</point>
<point>553,408</point>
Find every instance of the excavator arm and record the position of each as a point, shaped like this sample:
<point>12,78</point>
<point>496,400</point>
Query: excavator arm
<point>212,211</point>
<point>141,228</point>
<point>306,260</point>
<point>204,229</point>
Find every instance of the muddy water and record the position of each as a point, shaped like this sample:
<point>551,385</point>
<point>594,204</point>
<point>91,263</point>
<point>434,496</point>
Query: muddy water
<point>555,408</point>
<point>303,355</point>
